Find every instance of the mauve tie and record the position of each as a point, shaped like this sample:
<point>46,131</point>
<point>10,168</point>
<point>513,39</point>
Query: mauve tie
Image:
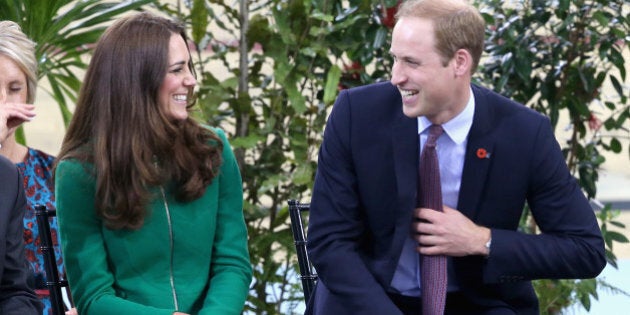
<point>433,270</point>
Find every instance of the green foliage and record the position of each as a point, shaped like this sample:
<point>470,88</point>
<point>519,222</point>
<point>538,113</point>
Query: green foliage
<point>64,31</point>
<point>557,59</point>
<point>271,91</point>
<point>269,71</point>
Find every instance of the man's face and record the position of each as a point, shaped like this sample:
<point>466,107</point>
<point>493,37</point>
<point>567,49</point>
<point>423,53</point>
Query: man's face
<point>424,82</point>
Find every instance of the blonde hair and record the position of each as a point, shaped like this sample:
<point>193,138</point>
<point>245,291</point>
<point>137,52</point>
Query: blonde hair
<point>19,48</point>
<point>457,25</point>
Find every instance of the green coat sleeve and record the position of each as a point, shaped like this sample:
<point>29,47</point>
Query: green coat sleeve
<point>231,272</point>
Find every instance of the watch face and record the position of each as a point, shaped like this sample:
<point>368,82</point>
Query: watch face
<point>488,243</point>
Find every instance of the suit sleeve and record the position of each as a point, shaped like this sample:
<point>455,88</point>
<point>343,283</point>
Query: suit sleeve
<point>570,244</point>
<point>16,298</point>
<point>336,225</point>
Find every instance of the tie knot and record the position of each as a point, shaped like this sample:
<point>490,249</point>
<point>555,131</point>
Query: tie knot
<point>434,133</point>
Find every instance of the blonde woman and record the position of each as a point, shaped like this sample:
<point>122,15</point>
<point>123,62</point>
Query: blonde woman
<point>18,85</point>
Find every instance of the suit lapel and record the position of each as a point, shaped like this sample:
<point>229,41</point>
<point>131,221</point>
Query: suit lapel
<point>405,146</point>
<point>478,156</point>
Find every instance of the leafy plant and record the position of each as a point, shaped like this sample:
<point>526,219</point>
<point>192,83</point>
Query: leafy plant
<point>271,90</point>
<point>64,32</point>
<point>278,80</point>
<point>557,59</point>
<point>269,71</point>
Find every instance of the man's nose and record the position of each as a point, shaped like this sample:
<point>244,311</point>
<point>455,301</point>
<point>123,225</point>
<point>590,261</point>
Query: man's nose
<point>397,75</point>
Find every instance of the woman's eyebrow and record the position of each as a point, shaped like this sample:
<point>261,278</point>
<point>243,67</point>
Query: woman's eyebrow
<point>179,63</point>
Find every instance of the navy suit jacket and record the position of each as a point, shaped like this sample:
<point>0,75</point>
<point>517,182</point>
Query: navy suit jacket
<point>16,298</point>
<point>365,191</point>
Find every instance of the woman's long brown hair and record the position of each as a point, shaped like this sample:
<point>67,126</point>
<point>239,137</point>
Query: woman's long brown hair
<point>120,128</point>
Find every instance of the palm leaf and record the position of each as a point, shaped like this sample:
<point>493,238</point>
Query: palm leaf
<point>64,32</point>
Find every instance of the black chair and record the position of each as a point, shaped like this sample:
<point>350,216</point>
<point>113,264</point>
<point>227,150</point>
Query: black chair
<point>307,274</point>
<point>53,280</point>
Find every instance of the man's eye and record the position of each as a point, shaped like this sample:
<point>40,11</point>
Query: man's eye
<point>413,63</point>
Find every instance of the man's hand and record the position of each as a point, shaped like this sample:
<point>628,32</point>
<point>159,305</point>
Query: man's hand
<point>448,233</point>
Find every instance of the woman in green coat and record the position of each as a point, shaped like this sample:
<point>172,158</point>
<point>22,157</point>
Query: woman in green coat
<point>149,201</point>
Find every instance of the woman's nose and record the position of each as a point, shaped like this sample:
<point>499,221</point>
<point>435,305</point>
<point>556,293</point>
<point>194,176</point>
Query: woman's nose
<point>3,96</point>
<point>190,80</point>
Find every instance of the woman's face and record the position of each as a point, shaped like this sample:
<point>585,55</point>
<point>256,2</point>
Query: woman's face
<point>13,86</point>
<point>179,81</point>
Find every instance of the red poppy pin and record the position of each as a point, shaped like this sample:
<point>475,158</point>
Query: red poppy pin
<point>483,154</point>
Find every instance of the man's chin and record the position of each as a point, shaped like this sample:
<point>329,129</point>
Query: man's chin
<point>411,111</point>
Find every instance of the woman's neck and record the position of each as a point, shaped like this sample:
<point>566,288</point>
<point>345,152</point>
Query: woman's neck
<point>13,150</point>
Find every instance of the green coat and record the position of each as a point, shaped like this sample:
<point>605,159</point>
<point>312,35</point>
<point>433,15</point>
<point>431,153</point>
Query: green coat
<point>129,272</point>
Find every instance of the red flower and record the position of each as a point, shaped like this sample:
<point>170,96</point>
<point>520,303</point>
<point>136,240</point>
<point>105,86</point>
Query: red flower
<point>351,75</point>
<point>388,15</point>
<point>593,122</point>
<point>353,70</point>
<point>482,153</point>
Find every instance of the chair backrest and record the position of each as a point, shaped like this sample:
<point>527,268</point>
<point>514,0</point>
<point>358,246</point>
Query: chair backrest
<point>53,280</point>
<point>307,273</point>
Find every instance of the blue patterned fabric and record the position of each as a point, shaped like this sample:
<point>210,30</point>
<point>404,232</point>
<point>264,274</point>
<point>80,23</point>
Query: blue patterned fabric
<point>38,185</point>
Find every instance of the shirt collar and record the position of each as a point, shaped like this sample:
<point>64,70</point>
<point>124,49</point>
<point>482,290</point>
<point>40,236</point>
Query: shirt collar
<point>458,127</point>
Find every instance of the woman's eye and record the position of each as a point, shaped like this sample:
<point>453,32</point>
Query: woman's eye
<point>15,89</point>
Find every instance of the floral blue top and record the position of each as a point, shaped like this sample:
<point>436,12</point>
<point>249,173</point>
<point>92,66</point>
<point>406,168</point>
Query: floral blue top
<point>38,185</point>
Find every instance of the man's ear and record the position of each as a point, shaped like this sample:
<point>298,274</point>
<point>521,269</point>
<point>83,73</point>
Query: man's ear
<point>462,62</point>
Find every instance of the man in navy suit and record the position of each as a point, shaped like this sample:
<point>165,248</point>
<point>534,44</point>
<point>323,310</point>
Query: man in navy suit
<point>365,232</point>
<point>15,295</point>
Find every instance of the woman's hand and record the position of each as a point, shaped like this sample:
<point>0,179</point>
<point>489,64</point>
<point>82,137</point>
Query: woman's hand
<point>72,311</point>
<point>12,115</point>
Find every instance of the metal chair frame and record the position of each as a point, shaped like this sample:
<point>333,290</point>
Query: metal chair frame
<point>53,280</point>
<point>307,274</point>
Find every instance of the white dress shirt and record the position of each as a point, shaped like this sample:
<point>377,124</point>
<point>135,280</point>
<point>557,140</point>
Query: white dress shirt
<point>451,148</point>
